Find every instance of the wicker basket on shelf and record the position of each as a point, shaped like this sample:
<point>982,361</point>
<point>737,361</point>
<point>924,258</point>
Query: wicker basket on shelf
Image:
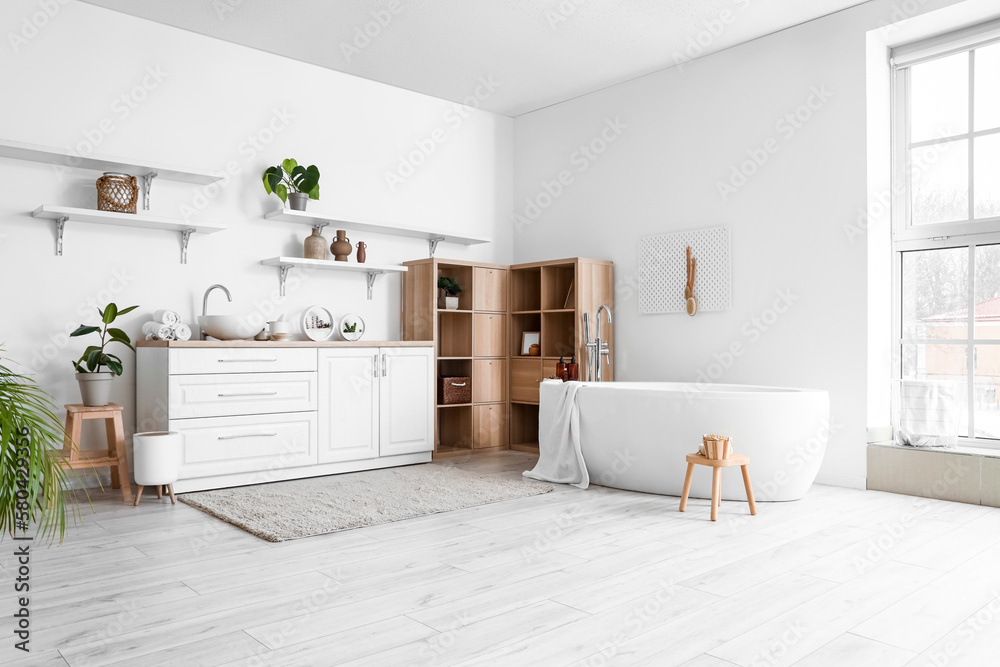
<point>455,390</point>
<point>117,193</point>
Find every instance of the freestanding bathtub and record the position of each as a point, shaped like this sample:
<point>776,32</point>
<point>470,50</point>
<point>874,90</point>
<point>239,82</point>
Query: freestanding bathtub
<point>635,435</point>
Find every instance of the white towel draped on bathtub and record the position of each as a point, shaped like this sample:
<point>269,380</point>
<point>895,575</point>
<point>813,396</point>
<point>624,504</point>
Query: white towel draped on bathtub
<point>560,459</point>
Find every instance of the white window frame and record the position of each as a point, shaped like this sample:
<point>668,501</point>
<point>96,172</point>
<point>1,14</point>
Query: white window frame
<point>968,233</point>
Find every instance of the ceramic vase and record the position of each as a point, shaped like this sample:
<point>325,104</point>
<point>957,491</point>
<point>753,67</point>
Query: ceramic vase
<point>315,245</point>
<point>341,247</point>
<point>362,255</point>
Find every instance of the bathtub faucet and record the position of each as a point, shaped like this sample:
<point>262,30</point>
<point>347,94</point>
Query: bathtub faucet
<point>598,348</point>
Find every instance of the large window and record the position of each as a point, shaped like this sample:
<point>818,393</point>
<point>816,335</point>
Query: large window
<point>946,220</point>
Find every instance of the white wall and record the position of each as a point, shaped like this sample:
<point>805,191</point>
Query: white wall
<point>686,130</point>
<point>62,83</point>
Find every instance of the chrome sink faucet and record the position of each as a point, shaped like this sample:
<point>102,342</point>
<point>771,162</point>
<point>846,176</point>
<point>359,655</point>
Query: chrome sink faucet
<point>597,349</point>
<point>204,302</point>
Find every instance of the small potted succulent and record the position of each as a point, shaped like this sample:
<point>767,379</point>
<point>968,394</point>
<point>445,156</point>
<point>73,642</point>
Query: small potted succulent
<point>95,383</point>
<point>450,289</point>
<point>293,183</point>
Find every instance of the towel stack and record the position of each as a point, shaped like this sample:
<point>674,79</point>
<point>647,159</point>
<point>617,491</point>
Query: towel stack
<point>166,325</point>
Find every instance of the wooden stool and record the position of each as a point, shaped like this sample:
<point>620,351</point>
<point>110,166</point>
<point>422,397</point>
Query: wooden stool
<point>717,465</point>
<point>159,493</point>
<point>115,458</point>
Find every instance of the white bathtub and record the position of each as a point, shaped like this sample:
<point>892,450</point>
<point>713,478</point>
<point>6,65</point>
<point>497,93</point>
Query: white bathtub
<point>635,435</point>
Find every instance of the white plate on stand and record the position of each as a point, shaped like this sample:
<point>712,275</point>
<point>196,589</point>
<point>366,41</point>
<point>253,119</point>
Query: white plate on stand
<point>312,320</point>
<point>359,326</point>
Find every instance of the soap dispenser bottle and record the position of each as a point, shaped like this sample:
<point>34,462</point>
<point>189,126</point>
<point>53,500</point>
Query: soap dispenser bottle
<point>561,369</point>
<point>572,370</point>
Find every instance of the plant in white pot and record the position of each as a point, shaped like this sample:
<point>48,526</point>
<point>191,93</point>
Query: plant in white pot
<point>450,289</point>
<point>293,183</point>
<point>95,383</point>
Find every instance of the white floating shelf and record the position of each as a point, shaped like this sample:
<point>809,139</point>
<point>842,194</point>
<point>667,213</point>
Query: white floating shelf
<point>64,214</point>
<point>284,264</point>
<point>62,157</point>
<point>432,236</point>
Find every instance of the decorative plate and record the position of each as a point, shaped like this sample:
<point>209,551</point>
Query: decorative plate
<point>352,327</point>
<point>317,323</point>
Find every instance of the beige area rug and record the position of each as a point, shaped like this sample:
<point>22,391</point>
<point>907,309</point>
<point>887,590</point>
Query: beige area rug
<point>288,510</point>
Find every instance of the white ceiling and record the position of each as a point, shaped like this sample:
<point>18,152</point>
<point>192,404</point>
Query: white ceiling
<point>443,47</point>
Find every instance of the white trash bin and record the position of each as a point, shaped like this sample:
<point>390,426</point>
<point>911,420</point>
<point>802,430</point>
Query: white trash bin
<point>156,458</point>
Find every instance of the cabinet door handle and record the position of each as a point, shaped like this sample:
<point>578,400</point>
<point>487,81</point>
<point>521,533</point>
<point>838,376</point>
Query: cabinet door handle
<point>247,435</point>
<point>246,361</point>
<point>375,365</point>
<point>383,366</point>
<point>250,393</point>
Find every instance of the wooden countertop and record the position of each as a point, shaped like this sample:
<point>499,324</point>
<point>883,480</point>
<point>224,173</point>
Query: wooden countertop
<point>283,343</point>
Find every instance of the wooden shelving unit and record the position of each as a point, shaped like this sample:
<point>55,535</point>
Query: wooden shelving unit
<point>470,342</point>
<point>551,297</point>
<point>432,236</point>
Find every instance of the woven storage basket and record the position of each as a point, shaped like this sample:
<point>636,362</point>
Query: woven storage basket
<point>717,447</point>
<point>455,390</point>
<point>118,193</point>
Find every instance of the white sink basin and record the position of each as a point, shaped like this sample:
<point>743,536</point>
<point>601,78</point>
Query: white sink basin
<point>226,327</point>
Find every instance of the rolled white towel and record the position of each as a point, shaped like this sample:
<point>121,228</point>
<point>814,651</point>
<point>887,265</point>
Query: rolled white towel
<point>158,329</point>
<point>181,331</point>
<point>168,317</point>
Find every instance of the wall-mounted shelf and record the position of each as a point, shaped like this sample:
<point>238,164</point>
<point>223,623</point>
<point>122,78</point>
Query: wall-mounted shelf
<point>284,264</point>
<point>432,236</point>
<point>144,171</point>
<point>64,214</point>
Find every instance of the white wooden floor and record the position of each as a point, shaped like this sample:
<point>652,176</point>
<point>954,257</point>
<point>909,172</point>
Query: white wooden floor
<point>596,577</point>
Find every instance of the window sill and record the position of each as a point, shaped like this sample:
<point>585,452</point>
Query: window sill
<point>965,475</point>
<point>965,450</point>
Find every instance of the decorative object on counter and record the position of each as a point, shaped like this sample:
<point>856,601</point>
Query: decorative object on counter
<point>352,327</point>
<point>293,183</point>
<point>450,290</point>
<point>561,369</point>
<point>341,246</point>
<point>95,384</point>
<point>168,317</point>
<point>529,338</point>
<point>166,325</point>
<point>118,193</point>
<point>156,460</point>
<point>280,329</point>
<point>535,350</point>
<point>573,370</point>
<point>690,302</point>
<point>454,390</point>
<point>24,407</point>
<point>261,335</point>
<point>716,447</point>
<point>317,322</point>
<point>362,255</point>
<point>315,245</point>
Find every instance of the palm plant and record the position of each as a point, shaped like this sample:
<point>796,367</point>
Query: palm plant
<point>29,471</point>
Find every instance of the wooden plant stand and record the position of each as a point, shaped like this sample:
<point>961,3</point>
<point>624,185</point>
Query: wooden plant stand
<point>115,458</point>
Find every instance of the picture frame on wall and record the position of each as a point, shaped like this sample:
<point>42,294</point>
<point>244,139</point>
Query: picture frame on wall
<point>529,338</point>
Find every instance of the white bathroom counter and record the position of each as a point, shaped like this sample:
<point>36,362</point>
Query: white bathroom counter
<point>282,343</point>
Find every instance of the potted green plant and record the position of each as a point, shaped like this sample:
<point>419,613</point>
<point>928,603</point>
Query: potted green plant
<point>95,383</point>
<point>29,463</point>
<point>450,289</point>
<point>293,183</point>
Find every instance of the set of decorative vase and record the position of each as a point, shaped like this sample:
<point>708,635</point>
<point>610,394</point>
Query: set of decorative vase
<point>315,247</point>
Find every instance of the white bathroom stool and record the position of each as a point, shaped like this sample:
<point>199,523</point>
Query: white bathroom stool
<point>156,457</point>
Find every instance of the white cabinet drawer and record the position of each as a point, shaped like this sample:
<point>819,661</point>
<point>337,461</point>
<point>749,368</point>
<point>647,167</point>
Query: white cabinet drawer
<point>241,394</point>
<point>226,445</point>
<point>193,361</point>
